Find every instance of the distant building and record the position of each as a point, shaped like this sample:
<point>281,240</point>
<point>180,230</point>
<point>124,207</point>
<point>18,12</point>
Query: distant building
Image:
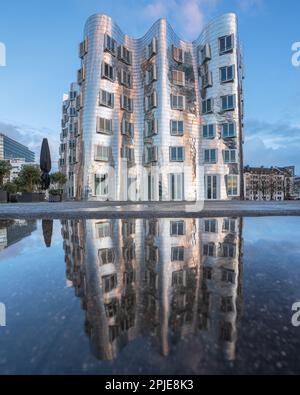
<point>68,150</point>
<point>17,165</point>
<point>11,149</point>
<point>11,232</point>
<point>274,183</point>
<point>297,187</point>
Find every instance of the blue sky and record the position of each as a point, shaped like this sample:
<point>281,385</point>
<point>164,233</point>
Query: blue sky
<point>42,37</point>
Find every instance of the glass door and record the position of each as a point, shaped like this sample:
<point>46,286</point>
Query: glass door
<point>176,186</point>
<point>211,187</point>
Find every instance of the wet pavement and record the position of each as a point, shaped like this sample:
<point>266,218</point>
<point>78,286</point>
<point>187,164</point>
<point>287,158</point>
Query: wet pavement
<point>150,296</point>
<point>148,209</point>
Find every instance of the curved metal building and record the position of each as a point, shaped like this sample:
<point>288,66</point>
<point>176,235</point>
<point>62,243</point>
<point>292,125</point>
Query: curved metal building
<point>159,118</point>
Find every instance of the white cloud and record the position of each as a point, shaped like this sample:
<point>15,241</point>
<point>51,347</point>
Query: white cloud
<point>250,5</point>
<point>188,15</point>
<point>32,138</point>
<point>272,144</point>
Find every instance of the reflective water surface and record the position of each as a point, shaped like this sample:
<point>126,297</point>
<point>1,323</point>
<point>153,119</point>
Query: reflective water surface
<point>137,296</point>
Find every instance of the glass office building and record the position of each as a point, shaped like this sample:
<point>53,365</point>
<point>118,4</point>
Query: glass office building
<point>11,149</point>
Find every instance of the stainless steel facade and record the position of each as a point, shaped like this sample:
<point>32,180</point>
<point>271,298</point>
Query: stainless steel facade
<point>162,103</point>
<point>165,279</point>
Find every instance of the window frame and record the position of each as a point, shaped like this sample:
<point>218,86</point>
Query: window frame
<point>205,109</point>
<point>227,79</point>
<point>210,161</point>
<point>232,189</point>
<point>175,106</point>
<point>108,95</point>
<point>227,49</point>
<point>176,132</point>
<point>227,124</point>
<point>105,130</point>
<point>207,135</point>
<point>230,159</point>
<point>177,150</point>
<point>227,97</point>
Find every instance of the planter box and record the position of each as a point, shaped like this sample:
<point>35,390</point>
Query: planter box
<point>30,197</point>
<point>3,197</point>
<point>54,198</point>
<point>13,197</point>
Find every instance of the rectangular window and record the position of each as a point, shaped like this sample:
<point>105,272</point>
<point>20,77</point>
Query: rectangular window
<point>103,229</point>
<point>125,55</point>
<point>151,48</point>
<point>228,102</point>
<point>178,77</point>
<point>176,154</point>
<point>210,156</point>
<point>207,81</point>
<point>227,250</point>
<point>110,44</point>
<point>177,102</point>
<point>177,228</point>
<point>232,185</point>
<point>81,75</point>
<point>177,128</point>
<point>229,156</point>
<point>151,101</point>
<point>205,53</point>
<point>106,256</point>
<point>226,331</point>
<point>83,48</point>
<point>151,74</point>
<point>127,153</point>
<point>106,99</point>
<point>127,128</point>
<point>178,278</point>
<point>72,95</point>
<point>228,276</point>
<point>128,253</point>
<point>109,282</point>
<point>176,186</point>
<point>151,128</point>
<point>226,44</point>
<point>79,102</point>
<point>126,103</point>
<point>227,74</point>
<point>178,54</point>
<point>102,153</point>
<point>229,225</point>
<point>108,71</point>
<point>101,184</point>
<point>129,277</point>
<point>210,225</point>
<point>177,254</point>
<point>209,249</point>
<point>208,131</point>
<point>226,304</point>
<point>72,112</point>
<point>151,154</point>
<point>228,130</point>
<point>152,254</point>
<point>207,106</point>
<point>125,78</point>
<point>112,308</point>
<point>104,125</point>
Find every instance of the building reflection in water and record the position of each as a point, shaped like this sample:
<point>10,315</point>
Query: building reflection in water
<point>12,231</point>
<point>168,278</point>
